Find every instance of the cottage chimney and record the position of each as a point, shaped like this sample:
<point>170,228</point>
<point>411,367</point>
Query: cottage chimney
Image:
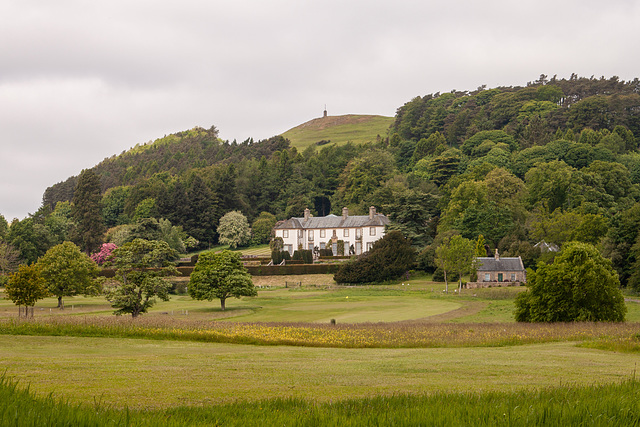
<point>497,255</point>
<point>372,212</point>
<point>345,213</point>
<point>307,214</point>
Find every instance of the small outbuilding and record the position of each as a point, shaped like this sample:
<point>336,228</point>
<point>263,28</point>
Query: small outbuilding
<point>499,271</point>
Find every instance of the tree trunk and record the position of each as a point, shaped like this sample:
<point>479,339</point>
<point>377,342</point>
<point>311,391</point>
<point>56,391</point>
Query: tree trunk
<point>60,303</point>
<point>222,300</point>
<point>446,284</point>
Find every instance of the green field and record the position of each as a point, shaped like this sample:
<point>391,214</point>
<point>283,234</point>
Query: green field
<point>339,130</point>
<point>130,372</point>
<point>423,343</point>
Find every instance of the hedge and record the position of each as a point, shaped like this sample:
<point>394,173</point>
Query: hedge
<point>263,270</point>
<point>292,269</point>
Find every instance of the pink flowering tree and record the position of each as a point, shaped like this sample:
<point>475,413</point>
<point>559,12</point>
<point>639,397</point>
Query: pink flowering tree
<point>104,253</point>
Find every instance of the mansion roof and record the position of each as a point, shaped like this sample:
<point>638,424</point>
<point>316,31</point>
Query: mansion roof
<point>334,221</point>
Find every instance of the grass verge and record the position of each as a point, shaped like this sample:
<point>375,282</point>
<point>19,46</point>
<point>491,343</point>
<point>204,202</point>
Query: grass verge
<point>597,405</point>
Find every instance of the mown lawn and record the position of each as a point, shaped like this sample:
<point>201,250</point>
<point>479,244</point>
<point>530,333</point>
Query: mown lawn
<point>396,339</point>
<point>140,373</point>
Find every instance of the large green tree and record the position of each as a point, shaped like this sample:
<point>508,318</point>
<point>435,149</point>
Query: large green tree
<point>26,286</point>
<point>30,238</point>
<point>580,285</point>
<point>456,254</point>
<point>68,272</point>
<point>4,226</point>
<point>87,211</point>
<point>141,266</point>
<point>9,258</point>
<point>234,229</point>
<point>220,275</point>
<point>413,212</point>
<point>363,175</point>
<point>262,227</point>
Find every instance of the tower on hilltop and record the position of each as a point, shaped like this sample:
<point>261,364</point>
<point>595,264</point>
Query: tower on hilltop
<point>325,111</point>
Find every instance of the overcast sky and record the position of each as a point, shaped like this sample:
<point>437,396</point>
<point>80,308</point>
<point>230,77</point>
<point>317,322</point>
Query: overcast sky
<point>81,80</point>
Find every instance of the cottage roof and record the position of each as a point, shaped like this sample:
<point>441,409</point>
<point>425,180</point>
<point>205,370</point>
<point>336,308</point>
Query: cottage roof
<point>500,264</point>
<point>334,221</point>
<point>547,247</point>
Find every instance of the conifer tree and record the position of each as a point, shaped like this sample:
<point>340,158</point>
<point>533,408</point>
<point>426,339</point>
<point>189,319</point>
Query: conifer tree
<point>87,212</point>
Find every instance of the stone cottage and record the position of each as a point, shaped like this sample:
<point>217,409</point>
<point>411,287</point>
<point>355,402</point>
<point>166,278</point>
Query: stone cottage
<point>499,271</point>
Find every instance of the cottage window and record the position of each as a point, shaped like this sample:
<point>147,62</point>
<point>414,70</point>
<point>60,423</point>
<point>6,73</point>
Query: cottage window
<point>311,235</point>
<point>487,277</point>
<point>513,277</point>
<point>346,232</point>
<point>372,231</point>
<point>323,234</point>
<point>285,234</point>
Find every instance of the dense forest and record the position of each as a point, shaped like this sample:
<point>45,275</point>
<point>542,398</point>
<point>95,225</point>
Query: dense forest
<point>554,161</point>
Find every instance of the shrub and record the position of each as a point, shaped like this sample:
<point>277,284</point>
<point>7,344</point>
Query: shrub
<point>305,255</point>
<point>325,252</point>
<point>278,256</point>
<point>438,276</point>
<point>389,258</point>
<point>178,288</point>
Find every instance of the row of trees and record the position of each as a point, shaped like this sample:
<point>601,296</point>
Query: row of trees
<point>516,165</point>
<point>141,270</point>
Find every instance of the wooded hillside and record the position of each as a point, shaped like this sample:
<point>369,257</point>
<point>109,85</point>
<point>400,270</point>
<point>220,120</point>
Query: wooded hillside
<point>555,160</point>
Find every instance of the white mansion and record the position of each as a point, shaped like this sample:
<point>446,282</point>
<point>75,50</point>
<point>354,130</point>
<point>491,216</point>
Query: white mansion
<point>308,232</point>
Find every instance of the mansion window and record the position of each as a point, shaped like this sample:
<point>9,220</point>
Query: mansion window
<point>285,234</point>
<point>323,234</point>
<point>310,235</point>
<point>372,231</point>
<point>346,232</point>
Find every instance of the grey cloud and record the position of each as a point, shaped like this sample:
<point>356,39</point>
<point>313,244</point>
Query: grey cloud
<point>81,80</point>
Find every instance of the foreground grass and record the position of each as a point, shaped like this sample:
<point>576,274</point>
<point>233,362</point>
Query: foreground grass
<point>145,374</point>
<point>598,405</point>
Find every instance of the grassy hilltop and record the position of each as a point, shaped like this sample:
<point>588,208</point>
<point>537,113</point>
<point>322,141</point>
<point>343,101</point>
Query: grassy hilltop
<point>339,130</point>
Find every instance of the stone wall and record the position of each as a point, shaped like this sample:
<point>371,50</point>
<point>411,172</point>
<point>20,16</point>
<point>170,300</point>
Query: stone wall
<point>475,285</point>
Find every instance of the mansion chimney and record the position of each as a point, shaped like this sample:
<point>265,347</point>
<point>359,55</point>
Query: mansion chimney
<point>307,214</point>
<point>372,212</point>
<point>345,213</point>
